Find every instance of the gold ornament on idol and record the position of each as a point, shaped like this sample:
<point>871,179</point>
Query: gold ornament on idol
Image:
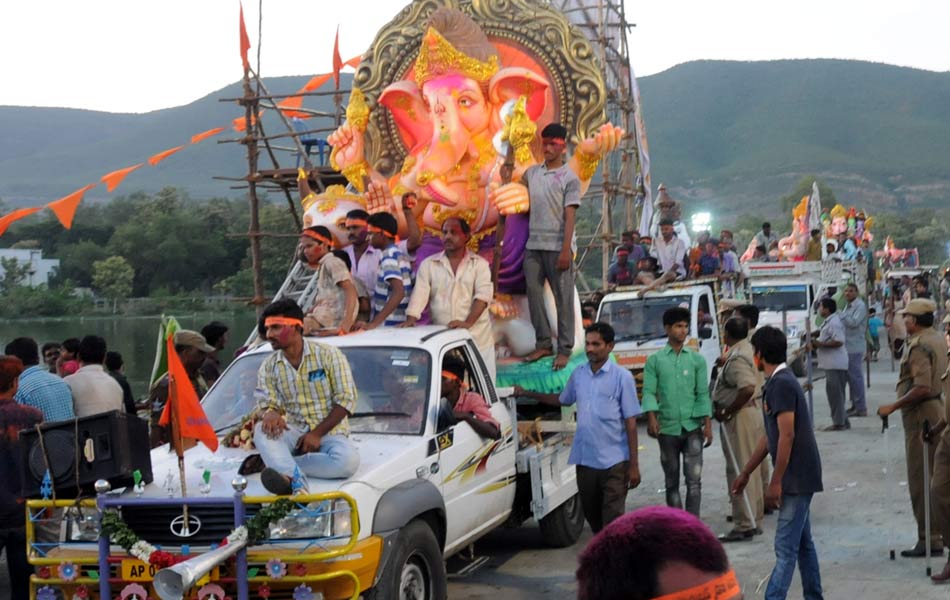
<point>588,164</point>
<point>519,131</point>
<point>438,57</point>
<point>357,115</point>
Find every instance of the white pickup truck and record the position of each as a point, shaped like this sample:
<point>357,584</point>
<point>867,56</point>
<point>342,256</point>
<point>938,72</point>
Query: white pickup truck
<point>425,490</point>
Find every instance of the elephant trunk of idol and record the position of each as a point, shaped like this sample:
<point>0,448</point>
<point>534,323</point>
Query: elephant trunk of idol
<point>171,583</point>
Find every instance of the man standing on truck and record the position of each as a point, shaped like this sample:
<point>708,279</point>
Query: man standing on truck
<point>456,286</point>
<point>855,319</point>
<point>670,251</point>
<point>605,443</point>
<point>554,190</point>
<point>733,399</point>
<point>305,393</point>
<point>335,304</point>
<point>765,237</point>
<point>919,399</point>
<point>675,386</point>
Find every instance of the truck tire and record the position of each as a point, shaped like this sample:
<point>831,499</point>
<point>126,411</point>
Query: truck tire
<point>416,570</point>
<point>798,365</point>
<point>562,526</point>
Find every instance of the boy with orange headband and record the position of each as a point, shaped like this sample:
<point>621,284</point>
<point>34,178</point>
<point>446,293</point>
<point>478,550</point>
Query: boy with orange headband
<point>336,303</point>
<point>554,190</point>
<point>393,276</point>
<point>305,395</point>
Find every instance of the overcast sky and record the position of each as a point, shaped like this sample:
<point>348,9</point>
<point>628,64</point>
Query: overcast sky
<point>137,55</point>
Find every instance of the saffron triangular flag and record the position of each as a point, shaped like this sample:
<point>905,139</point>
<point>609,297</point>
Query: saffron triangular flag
<point>206,134</point>
<point>113,179</point>
<point>315,82</point>
<point>337,59</point>
<point>183,404</point>
<point>354,62</point>
<point>157,158</point>
<point>65,207</point>
<point>245,42</point>
<point>240,123</point>
<point>8,219</point>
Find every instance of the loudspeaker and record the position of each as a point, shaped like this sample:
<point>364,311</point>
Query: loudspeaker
<point>110,446</point>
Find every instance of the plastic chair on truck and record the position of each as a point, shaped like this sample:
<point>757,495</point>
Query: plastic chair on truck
<point>308,141</point>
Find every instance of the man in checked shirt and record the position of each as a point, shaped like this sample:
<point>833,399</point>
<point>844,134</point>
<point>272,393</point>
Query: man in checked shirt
<point>305,392</point>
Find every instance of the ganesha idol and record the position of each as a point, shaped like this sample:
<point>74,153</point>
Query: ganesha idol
<point>449,108</point>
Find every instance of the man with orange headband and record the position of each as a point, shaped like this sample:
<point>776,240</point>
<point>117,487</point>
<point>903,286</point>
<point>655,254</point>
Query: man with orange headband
<point>554,190</point>
<point>656,553</point>
<point>336,303</point>
<point>456,286</point>
<point>305,394</point>
<point>390,292</point>
<point>466,405</point>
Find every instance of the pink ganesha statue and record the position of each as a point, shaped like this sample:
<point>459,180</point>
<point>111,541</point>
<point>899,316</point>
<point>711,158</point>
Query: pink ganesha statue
<point>450,112</point>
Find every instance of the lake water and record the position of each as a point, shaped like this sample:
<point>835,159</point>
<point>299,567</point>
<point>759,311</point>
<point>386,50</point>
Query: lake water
<point>134,337</point>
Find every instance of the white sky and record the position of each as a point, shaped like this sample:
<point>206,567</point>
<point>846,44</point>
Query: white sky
<point>136,56</point>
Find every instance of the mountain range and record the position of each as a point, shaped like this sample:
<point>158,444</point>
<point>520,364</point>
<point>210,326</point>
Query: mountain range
<point>731,137</point>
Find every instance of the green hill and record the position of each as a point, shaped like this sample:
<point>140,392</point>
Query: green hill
<point>732,137</point>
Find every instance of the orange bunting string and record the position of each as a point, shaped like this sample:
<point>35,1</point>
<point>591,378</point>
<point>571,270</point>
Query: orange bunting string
<point>113,179</point>
<point>65,207</point>
<point>8,219</point>
<point>206,134</point>
<point>157,158</point>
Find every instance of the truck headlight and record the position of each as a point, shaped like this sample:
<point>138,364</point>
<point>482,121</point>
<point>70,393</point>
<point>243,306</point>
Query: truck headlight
<point>81,525</point>
<point>315,520</point>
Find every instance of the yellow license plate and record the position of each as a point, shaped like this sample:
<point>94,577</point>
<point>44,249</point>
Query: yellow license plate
<point>136,570</point>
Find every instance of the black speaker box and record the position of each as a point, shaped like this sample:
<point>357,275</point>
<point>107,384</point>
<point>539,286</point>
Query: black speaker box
<point>110,446</point>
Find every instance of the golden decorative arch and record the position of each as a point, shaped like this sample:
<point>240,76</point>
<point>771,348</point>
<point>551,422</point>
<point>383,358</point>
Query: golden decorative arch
<point>536,30</point>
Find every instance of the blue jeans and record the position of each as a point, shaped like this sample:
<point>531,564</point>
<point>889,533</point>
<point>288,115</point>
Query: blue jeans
<point>337,457</point>
<point>689,446</point>
<point>793,543</point>
<point>856,381</point>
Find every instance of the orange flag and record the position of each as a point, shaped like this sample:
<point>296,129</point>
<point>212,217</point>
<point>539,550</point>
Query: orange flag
<point>240,122</point>
<point>354,62</point>
<point>113,179</point>
<point>65,207</point>
<point>157,158</point>
<point>206,134</point>
<point>337,59</point>
<point>245,42</point>
<point>315,82</point>
<point>183,405</point>
<point>7,220</point>
<point>287,107</point>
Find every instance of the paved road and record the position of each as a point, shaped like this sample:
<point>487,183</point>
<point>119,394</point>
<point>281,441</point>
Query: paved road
<point>861,515</point>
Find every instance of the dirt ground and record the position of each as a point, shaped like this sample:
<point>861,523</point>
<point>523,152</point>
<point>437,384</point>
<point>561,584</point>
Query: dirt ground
<point>862,514</point>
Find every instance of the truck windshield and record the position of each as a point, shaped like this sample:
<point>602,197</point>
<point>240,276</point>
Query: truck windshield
<point>780,297</point>
<point>392,384</point>
<point>639,319</point>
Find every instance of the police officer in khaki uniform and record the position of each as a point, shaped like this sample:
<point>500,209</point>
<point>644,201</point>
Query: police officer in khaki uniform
<point>919,398</point>
<point>940,484</point>
<point>734,406</point>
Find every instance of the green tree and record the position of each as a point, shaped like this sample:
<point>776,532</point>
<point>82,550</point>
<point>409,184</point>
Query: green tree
<point>112,278</point>
<point>14,274</point>
<point>802,189</point>
<point>76,261</point>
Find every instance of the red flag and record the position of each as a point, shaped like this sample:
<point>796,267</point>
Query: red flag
<point>245,42</point>
<point>8,219</point>
<point>190,419</point>
<point>65,207</point>
<point>337,59</point>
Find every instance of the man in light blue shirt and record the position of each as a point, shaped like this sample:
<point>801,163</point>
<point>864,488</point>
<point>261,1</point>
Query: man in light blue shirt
<point>855,319</point>
<point>833,360</point>
<point>38,387</point>
<point>605,444</point>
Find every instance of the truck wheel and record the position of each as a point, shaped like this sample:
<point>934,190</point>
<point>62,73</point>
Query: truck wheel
<point>563,525</point>
<point>798,366</point>
<point>416,570</point>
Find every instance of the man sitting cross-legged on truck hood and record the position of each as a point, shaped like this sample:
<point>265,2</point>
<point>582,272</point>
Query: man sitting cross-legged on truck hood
<point>466,405</point>
<point>305,392</point>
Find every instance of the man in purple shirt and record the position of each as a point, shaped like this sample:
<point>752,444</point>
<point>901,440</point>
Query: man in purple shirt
<point>605,444</point>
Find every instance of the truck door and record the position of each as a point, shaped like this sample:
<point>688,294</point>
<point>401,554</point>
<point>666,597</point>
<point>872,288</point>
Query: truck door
<point>478,474</point>
<point>707,329</point>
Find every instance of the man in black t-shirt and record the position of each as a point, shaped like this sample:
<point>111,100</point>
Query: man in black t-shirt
<point>790,440</point>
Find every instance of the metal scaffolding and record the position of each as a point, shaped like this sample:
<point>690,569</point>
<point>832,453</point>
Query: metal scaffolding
<point>624,179</point>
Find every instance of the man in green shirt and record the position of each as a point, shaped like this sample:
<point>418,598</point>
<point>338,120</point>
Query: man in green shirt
<point>676,386</point>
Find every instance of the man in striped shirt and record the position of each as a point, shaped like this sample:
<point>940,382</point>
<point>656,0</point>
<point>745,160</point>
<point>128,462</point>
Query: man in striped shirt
<point>393,276</point>
<point>305,393</point>
<point>38,387</point>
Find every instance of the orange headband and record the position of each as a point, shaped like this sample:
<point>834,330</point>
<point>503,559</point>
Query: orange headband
<point>724,587</point>
<point>553,140</point>
<point>375,229</point>
<point>316,236</point>
<point>355,222</point>
<point>282,321</point>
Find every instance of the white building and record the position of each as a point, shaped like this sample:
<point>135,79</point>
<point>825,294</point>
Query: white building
<point>41,269</point>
